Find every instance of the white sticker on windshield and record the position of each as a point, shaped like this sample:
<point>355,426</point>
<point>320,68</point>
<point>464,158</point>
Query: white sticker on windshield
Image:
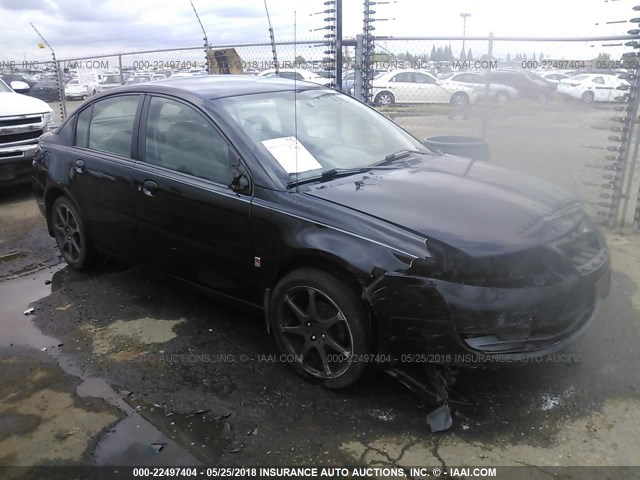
<point>291,154</point>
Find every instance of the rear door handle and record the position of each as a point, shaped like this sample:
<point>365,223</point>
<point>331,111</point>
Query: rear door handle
<point>79,166</point>
<point>149,188</point>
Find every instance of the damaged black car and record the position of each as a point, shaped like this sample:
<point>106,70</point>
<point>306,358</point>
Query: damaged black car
<point>359,242</point>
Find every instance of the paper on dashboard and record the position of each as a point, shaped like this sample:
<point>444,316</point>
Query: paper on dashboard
<point>291,154</point>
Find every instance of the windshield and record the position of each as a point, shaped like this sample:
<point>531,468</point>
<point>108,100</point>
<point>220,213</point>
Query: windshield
<point>4,87</point>
<point>334,131</point>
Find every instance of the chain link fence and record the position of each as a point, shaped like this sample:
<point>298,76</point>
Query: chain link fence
<point>560,109</point>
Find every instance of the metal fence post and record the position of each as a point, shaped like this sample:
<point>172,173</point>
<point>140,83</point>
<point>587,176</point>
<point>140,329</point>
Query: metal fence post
<point>485,118</point>
<point>630,159</point>
<point>359,61</point>
<point>338,44</point>
<point>368,41</point>
<point>120,68</point>
<point>63,105</point>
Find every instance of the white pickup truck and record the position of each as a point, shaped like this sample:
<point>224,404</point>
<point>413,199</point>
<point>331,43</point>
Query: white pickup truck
<point>22,120</point>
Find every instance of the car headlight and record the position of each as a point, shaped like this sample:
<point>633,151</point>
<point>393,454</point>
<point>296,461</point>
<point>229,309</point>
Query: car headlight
<point>47,118</point>
<point>535,267</point>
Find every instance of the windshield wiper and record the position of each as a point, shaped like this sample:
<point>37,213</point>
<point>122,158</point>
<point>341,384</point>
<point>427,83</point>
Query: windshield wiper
<point>335,173</point>
<point>394,157</point>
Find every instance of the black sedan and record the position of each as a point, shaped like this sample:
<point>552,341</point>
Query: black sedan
<point>529,84</point>
<point>357,241</point>
<point>46,90</point>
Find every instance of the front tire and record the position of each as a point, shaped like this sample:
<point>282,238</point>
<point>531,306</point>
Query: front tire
<point>71,235</point>
<point>459,99</point>
<point>321,325</point>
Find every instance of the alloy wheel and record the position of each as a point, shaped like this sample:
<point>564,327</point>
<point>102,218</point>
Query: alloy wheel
<point>314,330</point>
<point>588,97</point>
<point>67,233</point>
<point>384,99</point>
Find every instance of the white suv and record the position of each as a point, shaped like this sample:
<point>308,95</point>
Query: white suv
<point>22,120</point>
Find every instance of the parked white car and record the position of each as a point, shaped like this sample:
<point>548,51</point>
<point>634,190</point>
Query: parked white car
<point>73,89</point>
<point>497,91</point>
<point>297,74</point>
<point>111,81</point>
<point>414,86</point>
<point>592,87</point>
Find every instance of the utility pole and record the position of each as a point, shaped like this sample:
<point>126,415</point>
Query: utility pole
<point>464,28</point>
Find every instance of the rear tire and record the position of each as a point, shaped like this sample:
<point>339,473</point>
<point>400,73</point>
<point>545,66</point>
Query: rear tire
<point>587,98</point>
<point>502,98</point>
<point>71,235</point>
<point>385,98</point>
<point>322,327</point>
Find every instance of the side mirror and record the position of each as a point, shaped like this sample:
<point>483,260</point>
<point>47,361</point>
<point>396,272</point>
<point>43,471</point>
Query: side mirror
<point>240,179</point>
<point>19,87</point>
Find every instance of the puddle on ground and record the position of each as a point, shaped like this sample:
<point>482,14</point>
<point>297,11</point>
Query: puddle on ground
<point>15,297</point>
<point>204,435</point>
<point>149,434</point>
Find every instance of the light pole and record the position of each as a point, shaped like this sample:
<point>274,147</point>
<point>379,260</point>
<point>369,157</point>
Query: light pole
<point>464,28</point>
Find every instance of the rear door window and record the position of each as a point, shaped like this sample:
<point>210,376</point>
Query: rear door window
<point>112,124</point>
<point>82,128</point>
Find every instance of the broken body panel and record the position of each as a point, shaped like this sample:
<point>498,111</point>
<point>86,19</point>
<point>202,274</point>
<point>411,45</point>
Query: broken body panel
<point>442,290</point>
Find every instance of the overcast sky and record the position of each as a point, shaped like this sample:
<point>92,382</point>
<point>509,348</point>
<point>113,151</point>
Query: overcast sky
<point>86,27</point>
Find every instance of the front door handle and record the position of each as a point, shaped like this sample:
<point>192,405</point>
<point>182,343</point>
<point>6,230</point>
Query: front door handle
<point>79,166</point>
<point>149,188</point>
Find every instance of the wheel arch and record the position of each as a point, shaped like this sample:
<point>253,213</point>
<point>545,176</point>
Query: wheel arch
<point>50,197</point>
<point>332,265</point>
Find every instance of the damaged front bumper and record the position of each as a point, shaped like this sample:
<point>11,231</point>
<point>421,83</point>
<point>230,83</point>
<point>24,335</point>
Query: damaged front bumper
<point>424,320</point>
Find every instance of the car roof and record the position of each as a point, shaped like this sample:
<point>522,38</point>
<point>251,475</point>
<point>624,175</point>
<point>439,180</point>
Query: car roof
<point>463,72</point>
<point>401,70</point>
<point>218,86</point>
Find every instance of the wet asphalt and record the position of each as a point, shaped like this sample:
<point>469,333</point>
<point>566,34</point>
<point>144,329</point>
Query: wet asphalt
<point>172,377</point>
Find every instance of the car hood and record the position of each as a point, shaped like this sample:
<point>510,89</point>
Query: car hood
<point>17,104</point>
<point>475,207</point>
